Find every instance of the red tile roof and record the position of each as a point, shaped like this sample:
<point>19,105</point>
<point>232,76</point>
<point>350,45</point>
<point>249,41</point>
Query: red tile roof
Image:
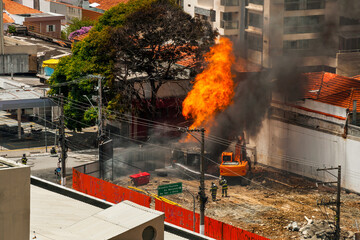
<point>88,14</point>
<point>107,4</point>
<point>356,77</point>
<point>17,8</point>
<point>7,18</point>
<point>80,37</point>
<point>333,89</point>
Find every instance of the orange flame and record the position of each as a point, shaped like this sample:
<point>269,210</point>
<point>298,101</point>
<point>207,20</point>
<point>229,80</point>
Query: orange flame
<point>213,89</point>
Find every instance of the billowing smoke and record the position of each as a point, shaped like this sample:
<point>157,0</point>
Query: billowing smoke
<point>252,101</point>
<point>349,8</point>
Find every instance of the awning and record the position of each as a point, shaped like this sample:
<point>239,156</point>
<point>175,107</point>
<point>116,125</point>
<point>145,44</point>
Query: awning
<point>51,63</point>
<point>30,98</point>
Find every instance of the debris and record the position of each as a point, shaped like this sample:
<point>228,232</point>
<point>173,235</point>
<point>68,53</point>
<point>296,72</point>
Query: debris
<point>293,226</point>
<point>318,230</point>
<point>309,221</point>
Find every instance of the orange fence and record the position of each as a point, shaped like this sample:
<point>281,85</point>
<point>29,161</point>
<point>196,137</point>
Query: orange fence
<point>107,191</point>
<point>213,228</point>
<point>173,214</point>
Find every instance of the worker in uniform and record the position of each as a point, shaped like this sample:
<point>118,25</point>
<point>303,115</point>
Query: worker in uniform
<point>213,191</point>
<point>53,151</point>
<point>24,159</point>
<point>224,187</point>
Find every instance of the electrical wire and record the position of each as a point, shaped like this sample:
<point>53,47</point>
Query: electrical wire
<point>282,158</point>
<point>215,139</point>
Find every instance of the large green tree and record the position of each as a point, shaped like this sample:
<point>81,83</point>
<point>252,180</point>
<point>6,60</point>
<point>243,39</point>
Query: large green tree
<point>138,42</point>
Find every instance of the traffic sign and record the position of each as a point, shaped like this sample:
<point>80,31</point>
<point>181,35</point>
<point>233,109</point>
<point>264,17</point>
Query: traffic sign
<point>169,189</point>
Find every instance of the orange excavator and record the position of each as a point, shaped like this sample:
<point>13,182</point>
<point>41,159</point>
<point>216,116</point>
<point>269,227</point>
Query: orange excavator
<point>236,166</point>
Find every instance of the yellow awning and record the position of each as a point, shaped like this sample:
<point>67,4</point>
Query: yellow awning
<point>50,63</point>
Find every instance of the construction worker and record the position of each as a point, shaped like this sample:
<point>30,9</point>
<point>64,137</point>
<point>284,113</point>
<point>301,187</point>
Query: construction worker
<point>213,191</point>
<point>224,187</point>
<point>24,159</point>
<point>53,151</point>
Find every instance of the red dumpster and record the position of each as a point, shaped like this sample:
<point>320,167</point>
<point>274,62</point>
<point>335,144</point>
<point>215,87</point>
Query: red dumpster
<point>140,178</point>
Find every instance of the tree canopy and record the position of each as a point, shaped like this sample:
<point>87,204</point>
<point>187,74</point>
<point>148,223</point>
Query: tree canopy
<point>139,42</point>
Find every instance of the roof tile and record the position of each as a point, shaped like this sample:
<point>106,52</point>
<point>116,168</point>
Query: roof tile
<point>17,8</point>
<point>333,89</point>
<point>7,18</point>
<point>107,4</point>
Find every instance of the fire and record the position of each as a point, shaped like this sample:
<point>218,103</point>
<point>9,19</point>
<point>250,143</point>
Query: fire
<point>213,89</point>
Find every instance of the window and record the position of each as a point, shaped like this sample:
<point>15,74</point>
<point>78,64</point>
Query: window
<point>254,42</point>
<point>229,20</point>
<point>291,5</point>
<point>349,44</point>
<point>349,21</point>
<point>227,16</point>
<point>226,158</point>
<point>255,20</point>
<point>305,46</point>
<point>230,2</point>
<point>315,4</point>
<point>303,24</point>
<point>31,28</point>
<point>258,2</point>
<point>50,28</point>
<point>201,17</point>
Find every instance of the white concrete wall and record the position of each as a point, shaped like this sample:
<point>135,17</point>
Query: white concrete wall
<point>17,19</point>
<point>189,6</point>
<point>15,203</point>
<point>302,150</point>
<point>44,5</point>
<point>28,3</point>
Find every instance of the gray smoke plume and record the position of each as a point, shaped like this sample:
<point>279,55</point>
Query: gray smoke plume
<point>252,101</point>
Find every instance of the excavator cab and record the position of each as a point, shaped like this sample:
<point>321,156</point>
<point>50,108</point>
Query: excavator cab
<point>235,165</point>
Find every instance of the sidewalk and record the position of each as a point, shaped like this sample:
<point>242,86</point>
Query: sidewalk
<point>28,151</point>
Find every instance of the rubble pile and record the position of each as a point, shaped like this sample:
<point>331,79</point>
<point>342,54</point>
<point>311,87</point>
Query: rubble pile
<point>316,230</point>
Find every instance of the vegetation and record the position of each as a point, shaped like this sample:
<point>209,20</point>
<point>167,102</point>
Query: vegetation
<point>132,45</point>
<point>77,24</point>
<point>12,29</point>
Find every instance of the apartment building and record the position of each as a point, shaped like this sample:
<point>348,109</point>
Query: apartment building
<point>317,32</point>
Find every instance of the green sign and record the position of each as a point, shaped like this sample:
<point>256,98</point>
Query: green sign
<point>169,189</point>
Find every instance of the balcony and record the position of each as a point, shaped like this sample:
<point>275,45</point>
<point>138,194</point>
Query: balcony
<point>229,3</point>
<point>229,24</point>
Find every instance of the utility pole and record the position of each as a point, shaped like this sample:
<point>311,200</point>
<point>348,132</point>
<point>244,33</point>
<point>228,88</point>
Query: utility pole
<point>202,195</point>
<point>337,202</point>
<point>45,121</point>
<point>62,144</point>
<point>100,109</point>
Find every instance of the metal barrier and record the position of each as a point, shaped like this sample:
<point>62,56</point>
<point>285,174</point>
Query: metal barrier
<point>106,190</point>
<point>92,169</point>
<point>173,214</point>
